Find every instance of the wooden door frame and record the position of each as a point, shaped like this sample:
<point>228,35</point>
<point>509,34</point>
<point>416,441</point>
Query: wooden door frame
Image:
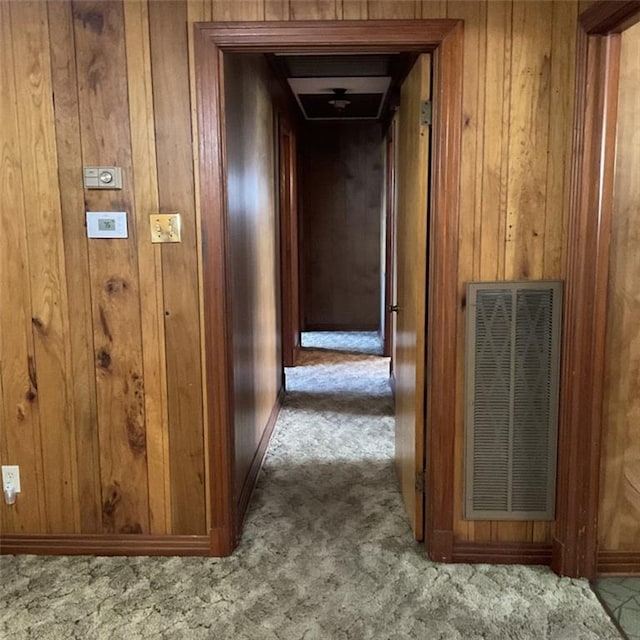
<point>443,38</point>
<point>575,544</point>
<point>389,240</point>
<point>289,248</point>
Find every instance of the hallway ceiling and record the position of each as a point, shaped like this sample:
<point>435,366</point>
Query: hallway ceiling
<point>344,86</point>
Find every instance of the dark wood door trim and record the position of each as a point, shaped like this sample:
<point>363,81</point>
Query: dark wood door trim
<point>598,55</point>
<point>445,39</point>
<point>389,240</point>
<point>289,270</point>
<point>442,303</point>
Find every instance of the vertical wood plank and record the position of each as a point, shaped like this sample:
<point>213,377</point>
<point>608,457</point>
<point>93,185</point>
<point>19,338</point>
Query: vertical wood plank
<point>106,139</point>
<point>143,152</point>
<point>170,68</point>
<point>558,177</point>
<point>474,15</point>
<point>276,9</point>
<point>528,140</point>
<point>67,122</point>
<point>354,10</point>
<point>21,412</point>
<point>313,10</point>
<point>529,136</point>
<point>193,15</point>
<point>497,80</point>
<point>393,9</point>
<point>49,305</point>
<point>230,10</point>
<point>433,9</point>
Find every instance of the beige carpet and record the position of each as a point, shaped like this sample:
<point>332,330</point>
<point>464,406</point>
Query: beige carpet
<point>326,553</point>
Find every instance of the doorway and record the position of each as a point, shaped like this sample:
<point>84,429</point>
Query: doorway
<point>444,39</point>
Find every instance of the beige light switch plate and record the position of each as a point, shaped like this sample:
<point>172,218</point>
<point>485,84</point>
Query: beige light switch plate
<point>165,227</point>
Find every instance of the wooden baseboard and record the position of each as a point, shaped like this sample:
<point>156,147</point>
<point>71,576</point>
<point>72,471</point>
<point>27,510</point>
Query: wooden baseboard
<point>502,552</point>
<point>618,563</point>
<point>104,544</point>
<point>440,545</point>
<point>256,463</point>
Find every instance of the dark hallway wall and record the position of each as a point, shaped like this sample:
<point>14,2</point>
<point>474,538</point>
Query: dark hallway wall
<point>254,257</point>
<point>342,187</point>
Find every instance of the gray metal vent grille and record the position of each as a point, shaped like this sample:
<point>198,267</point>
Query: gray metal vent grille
<point>513,349</point>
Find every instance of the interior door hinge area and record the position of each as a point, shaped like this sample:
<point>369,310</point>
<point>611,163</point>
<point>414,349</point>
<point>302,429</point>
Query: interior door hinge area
<point>426,112</point>
<point>420,481</point>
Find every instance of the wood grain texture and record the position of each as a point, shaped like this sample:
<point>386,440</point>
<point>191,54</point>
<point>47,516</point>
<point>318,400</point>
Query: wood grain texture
<point>254,260</point>
<point>289,241</point>
<point>501,145</point>
<point>442,315</point>
<point>197,12</point>
<point>412,171</point>
<point>354,10</point>
<point>393,9</point>
<point>276,9</point>
<point>67,128</point>
<point>106,139</point>
<point>579,444</point>
<point>471,196</point>
<point>528,140</point>
<point>342,199</point>
<point>80,330</point>
<point>49,308</point>
<point>169,63</point>
<point>562,92</point>
<point>143,153</point>
<point>619,528</point>
<point>313,9</point>
<point>433,9</point>
<point>20,439</point>
<point>227,10</point>
<point>528,144</point>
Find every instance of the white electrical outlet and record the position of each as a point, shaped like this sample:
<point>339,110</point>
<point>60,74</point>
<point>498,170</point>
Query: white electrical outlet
<point>11,476</point>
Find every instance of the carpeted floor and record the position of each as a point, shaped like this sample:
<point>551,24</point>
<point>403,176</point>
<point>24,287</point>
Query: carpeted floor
<point>326,554</point>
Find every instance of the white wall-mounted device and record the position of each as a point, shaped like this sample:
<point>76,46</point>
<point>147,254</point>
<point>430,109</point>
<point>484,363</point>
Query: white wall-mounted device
<point>107,224</point>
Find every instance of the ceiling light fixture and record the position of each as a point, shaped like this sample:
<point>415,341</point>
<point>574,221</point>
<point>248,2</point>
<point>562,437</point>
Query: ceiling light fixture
<point>339,103</point>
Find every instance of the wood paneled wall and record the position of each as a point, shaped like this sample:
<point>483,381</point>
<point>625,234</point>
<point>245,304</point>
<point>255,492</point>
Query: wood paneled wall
<point>341,220</point>
<point>101,377</point>
<point>100,373</point>
<point>253,251</point>
<point>619,524</point>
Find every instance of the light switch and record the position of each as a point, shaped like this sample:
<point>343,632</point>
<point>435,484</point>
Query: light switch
<point>103,178</point>
<point>165,227</point>
<point>107,224</point>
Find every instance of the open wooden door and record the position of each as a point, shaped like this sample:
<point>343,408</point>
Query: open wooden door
<point>390,244</point>
<point>411,244</point>
<point>289,259</point>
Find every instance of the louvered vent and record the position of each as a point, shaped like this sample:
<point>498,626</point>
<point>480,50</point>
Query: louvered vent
<point>513,353</point>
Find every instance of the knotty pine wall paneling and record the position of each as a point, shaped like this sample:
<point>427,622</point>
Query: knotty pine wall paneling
<point>117,331</point>
<point>518,97</point>
<point>80,329</point>
<point>20,434</point>
<point>619,521</point>
<point>171,99</point>
<point>143,152</point>
<point>518,101</point>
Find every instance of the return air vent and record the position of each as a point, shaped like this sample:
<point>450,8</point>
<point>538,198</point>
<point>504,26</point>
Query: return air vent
<point>513,353</point>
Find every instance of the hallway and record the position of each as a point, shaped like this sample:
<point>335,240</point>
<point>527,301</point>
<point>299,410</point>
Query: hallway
<point>326,552</point>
